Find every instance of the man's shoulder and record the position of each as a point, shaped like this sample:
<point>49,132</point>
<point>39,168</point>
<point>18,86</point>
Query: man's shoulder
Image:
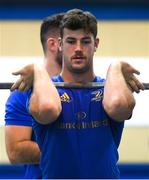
<point>16,112</point>
<point>57,78</point>
<point>17,96</point>
<point>99,79</point>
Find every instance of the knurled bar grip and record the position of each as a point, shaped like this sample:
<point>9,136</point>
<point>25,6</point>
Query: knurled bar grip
<point>90,85</point>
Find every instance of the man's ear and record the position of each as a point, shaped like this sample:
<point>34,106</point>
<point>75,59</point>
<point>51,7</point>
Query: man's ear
<point>51,44</point>
<point>60,44</point>
<point>96,44</point>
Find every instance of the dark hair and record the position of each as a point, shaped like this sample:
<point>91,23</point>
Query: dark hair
<point>50,27</point>
<point>77,19</point>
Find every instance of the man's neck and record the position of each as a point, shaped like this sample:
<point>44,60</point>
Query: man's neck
<point>52,67</point>
<point>77,78</point>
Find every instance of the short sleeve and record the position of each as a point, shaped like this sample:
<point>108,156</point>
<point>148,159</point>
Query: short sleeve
<point>16,112</point>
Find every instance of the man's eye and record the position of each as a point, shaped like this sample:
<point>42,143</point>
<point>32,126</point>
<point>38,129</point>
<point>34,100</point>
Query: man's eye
<point>86,42</point>
<point>71,41</point>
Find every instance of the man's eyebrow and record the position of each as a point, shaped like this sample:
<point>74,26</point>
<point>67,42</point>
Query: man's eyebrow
<point>70,37</point>
<point>87,37</point>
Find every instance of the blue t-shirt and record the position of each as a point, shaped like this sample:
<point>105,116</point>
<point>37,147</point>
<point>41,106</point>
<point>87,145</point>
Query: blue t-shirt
<point>83,141</point>
<point>17,114</point>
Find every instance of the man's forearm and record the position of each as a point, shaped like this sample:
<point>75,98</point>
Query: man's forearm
<point>25,152</point>
<point>45,104</point>
<point>118,99</point>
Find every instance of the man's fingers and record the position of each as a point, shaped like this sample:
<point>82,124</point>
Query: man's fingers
<point>133,86</point>
<point>16,84</point>
<point>139,84</point>
<point>16,73</point>
<point>22,86</point>
<point>136,72</point>
<point>26,88</point>
<point>19,72</point>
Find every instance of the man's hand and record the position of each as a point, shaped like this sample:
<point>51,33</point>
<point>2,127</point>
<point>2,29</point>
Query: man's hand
<point>26,78</point>
<point>128,72</point>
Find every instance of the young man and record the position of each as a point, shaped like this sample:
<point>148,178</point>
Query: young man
<point>20,139</point>
<point>78,130</point>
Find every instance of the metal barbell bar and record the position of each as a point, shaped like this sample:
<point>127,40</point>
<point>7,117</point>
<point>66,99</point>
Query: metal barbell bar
<point>90,85</point>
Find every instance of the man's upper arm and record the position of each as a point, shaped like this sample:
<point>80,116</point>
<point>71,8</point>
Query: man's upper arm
<point>15,134</point>
<point>18,130</point>
<point>18,122</point>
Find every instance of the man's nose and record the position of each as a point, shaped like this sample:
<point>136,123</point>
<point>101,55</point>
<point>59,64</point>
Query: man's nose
<point>78,47</point>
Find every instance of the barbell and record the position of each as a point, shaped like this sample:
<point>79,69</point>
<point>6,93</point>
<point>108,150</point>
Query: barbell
<point>90,85</point>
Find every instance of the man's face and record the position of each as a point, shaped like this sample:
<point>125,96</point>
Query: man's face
<point>78,48</point>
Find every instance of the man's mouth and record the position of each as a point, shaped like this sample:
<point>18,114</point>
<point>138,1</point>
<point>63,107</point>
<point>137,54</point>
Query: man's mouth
<point>78,59</point>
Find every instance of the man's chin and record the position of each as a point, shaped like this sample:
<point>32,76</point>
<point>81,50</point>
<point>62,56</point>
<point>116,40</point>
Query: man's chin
<point>78,70</point>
